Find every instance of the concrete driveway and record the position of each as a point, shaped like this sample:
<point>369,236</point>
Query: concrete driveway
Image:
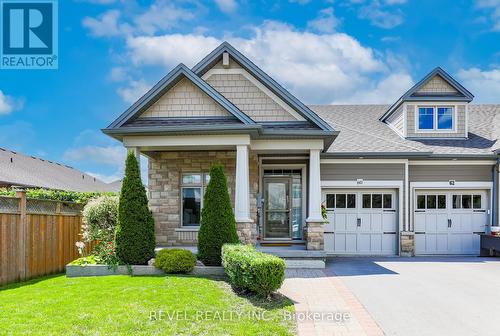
<point>426,296</point>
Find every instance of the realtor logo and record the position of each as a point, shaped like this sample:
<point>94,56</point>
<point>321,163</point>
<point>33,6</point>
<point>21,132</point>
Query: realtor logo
<point>29,34</point>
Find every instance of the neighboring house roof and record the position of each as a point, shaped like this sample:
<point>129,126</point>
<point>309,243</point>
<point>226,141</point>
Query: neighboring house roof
<point>27,171</point>
<point>363,134</point>
<point>460,93</point>
<point>116,186</point>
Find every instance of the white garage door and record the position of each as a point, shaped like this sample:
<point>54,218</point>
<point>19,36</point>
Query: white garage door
<point>448,222</point>
<point>361,222</point>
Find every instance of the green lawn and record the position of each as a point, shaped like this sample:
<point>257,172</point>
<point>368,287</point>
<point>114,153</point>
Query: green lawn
<point>123,305</point>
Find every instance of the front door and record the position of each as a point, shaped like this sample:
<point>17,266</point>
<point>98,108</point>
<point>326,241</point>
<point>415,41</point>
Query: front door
<point>277,208</point>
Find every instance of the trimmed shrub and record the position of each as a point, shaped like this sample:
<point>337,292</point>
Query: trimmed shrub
<point>175,261</point>
<point>57,195</point>
<point>135,238</point>
<point>218,225</point>
<point>251,270</point>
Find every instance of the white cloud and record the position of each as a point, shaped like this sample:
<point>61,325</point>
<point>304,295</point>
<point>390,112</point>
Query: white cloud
<point>106,24</point>
<point>161,16</point>
<point>227,6</point>
<point>9,104</point>
<point>326,22</point>
<point>494,6</point>
<point>106,155</point>
<point>318,68</point>
<point>484,84</point>
<point>387,90</point>
<point>300,2</point>
<point>118,74</point>
<point>170,50</point>
<point>133,91</point>
<point>381,17</point>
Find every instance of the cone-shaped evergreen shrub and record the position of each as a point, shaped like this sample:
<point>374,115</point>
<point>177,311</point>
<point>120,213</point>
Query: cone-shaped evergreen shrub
<point>135,238</point>
<point>218,225</point>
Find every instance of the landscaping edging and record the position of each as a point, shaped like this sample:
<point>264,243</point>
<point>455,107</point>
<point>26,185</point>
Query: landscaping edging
<point>73,271</point>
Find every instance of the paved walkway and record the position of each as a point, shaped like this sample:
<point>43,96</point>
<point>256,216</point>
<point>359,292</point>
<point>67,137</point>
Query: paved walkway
<point>325,306</point>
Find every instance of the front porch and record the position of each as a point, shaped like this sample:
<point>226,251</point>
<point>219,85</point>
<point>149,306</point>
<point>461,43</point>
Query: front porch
<point>295,255</point>
<point>274,187</point>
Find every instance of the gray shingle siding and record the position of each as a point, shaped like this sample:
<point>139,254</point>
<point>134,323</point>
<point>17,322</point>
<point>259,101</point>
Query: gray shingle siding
<point>396,121</point>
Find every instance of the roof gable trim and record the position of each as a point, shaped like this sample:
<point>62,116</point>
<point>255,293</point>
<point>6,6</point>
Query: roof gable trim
<point>412,95</point>
<point>167,82</point>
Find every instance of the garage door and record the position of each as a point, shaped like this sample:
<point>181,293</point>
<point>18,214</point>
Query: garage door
<point>361,222</point>
<point>448,222</point>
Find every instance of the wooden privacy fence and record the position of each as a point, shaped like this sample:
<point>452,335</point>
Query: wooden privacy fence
<point>37,237</point>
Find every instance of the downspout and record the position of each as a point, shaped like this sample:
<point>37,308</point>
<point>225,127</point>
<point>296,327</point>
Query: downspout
<point>495,210</point>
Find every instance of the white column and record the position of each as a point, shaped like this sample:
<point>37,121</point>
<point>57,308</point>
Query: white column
<point>242,194</point>
<point>314,187</point>
<point>137,153</point>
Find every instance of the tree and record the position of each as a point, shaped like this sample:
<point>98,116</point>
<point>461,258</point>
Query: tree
<point>135,238</point>
<point>218,225</point>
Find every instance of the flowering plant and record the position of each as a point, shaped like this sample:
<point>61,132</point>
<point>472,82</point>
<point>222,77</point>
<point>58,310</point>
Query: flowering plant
<point>324,214</point>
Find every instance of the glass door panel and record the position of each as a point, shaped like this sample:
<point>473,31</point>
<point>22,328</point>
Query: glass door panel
<point>277,208</point>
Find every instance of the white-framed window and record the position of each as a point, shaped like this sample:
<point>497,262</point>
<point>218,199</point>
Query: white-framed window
<point>436,118</point>
<point>192,190</point>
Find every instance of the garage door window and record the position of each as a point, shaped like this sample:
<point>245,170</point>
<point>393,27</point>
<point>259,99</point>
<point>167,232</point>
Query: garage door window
<point>431,202</point>
<point>341,201</point>
<point>467,202</point>
<point>377,201</point>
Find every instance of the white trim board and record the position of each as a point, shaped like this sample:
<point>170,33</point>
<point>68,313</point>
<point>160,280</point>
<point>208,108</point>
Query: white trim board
<point>451,162</point>
<point>446,185</point>
<point>292,145</point>
<point>185,140</point>
<point>258,84</point>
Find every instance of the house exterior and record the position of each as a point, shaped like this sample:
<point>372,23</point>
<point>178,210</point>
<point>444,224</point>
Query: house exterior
<point>20,170</point>
<point>417,177</point>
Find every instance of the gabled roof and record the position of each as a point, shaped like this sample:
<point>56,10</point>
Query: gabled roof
<point>412,94</point>
<point>21,170</point>
<point>363,135</point>
<point>167,82</point>
<point>211,59</point>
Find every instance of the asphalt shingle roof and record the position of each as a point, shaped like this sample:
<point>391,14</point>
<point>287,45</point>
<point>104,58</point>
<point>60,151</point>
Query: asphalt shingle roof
<point>21,170</point>
<point>361,131</point>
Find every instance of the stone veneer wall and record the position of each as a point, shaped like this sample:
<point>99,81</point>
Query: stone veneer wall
<point>165,171</point>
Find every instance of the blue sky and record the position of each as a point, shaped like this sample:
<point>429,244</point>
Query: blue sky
<point>112,51</point>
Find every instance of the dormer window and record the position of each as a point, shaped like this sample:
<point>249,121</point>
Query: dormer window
<point>435,118</point>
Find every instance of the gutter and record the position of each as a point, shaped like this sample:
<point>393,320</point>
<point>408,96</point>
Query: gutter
<point>495,211</point>
<point>406,155</point>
